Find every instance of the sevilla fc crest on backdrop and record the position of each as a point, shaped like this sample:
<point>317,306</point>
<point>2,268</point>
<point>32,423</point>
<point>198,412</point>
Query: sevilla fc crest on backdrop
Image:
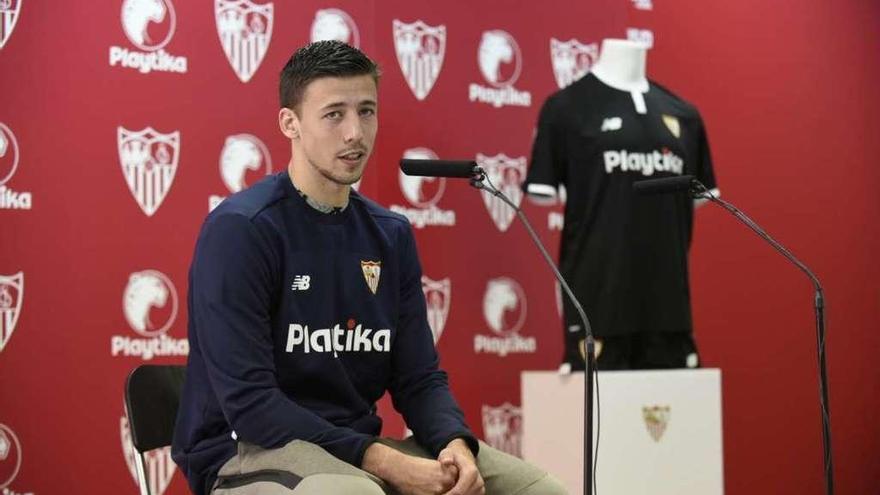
<point>11,296</point>
<point>571,60</point>
<point>507,174</point>
<point>438,294</point>
<point>149,163</point>
<point>502,428</point>
<point>9,10</point>
<point>420,49</point>
<point>245,29</point>
<point>159,465</point>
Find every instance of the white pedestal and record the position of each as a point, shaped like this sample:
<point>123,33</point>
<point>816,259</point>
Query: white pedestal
<point>660,430</point>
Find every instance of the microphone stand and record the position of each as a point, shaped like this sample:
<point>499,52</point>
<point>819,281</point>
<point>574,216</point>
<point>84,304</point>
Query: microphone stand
<point>698,191</point>
<point>480,181</point>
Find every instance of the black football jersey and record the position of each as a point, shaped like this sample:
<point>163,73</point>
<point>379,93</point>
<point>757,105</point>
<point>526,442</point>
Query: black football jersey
<point>624,254</point>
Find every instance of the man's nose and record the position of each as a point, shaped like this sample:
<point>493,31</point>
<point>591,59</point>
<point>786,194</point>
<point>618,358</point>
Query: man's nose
<point>354,131</point>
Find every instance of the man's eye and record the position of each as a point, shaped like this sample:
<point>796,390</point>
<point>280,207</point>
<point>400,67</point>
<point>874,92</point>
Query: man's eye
<point>334,115</point>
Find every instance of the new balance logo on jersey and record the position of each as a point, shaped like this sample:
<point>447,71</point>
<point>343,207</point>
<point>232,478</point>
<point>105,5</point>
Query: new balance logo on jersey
<point>504,308</point>
<point>335,24</point>
<point>571,60</point>
<point>643,163</point>
<point>10,199</point>
<point>9,10</point>
<point>643,4</point>
<point>149,25</point>
<point>245,30</point>
<point>420,49</point>
<point>243,156</point>
<point>159,465</point>
<point>11,298</point>
<point>423,193</point>
<point>500,62</point>
<point>149,162</point>
<point>10,455</point>
<point>438,294</point>
<point>149,304</point>
<point>351,338</point>
<point>502,428</point>
<point>301,282</point>
<point>507,174</point>
<point>612,124</point>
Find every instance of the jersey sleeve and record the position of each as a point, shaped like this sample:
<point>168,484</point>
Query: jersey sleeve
<point>704,171</point>
<point>547,167</point>
<point>234,273</point>
<point>419,388</point>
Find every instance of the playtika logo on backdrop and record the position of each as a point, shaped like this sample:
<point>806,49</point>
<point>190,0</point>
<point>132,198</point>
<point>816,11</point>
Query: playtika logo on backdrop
<point>149,26</point>
<point>149,304</point>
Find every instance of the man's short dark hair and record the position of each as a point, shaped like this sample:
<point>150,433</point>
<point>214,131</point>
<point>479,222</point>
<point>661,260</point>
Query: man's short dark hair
<point>321,59</point>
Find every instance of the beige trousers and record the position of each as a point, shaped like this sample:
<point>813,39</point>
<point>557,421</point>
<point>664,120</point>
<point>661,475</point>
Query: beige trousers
<point>303,468</point>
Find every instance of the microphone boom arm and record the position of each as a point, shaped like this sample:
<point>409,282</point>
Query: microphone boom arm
<point>481,181</point>
<point>699,191</point>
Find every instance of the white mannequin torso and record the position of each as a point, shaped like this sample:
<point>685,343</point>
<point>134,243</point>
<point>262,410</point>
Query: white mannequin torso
<point>621,65</point>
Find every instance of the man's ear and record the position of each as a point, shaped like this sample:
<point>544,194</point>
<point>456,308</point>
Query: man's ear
<point>288,122</point>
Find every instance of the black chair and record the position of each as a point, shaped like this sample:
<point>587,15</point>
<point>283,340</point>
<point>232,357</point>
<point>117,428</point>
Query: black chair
<point>152,396</point>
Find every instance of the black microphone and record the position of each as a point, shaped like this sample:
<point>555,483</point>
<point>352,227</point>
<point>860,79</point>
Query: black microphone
<point>439,168</point>
<point>665,185</point>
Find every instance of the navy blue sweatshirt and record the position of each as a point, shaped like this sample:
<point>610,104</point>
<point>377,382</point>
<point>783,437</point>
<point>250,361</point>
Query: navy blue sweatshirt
<point>299,321</point>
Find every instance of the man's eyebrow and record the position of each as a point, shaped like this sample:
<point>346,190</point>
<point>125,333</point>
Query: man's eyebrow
<point>342,104</point>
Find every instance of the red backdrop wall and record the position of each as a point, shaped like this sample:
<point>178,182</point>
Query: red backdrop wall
<point>786,92</point>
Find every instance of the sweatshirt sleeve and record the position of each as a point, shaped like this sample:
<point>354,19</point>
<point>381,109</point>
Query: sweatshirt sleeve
<point>547,167</point>
<point>419,389</point>
<point>236,272</point>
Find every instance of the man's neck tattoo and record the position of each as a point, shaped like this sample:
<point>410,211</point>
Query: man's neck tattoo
<point>317,205</point>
